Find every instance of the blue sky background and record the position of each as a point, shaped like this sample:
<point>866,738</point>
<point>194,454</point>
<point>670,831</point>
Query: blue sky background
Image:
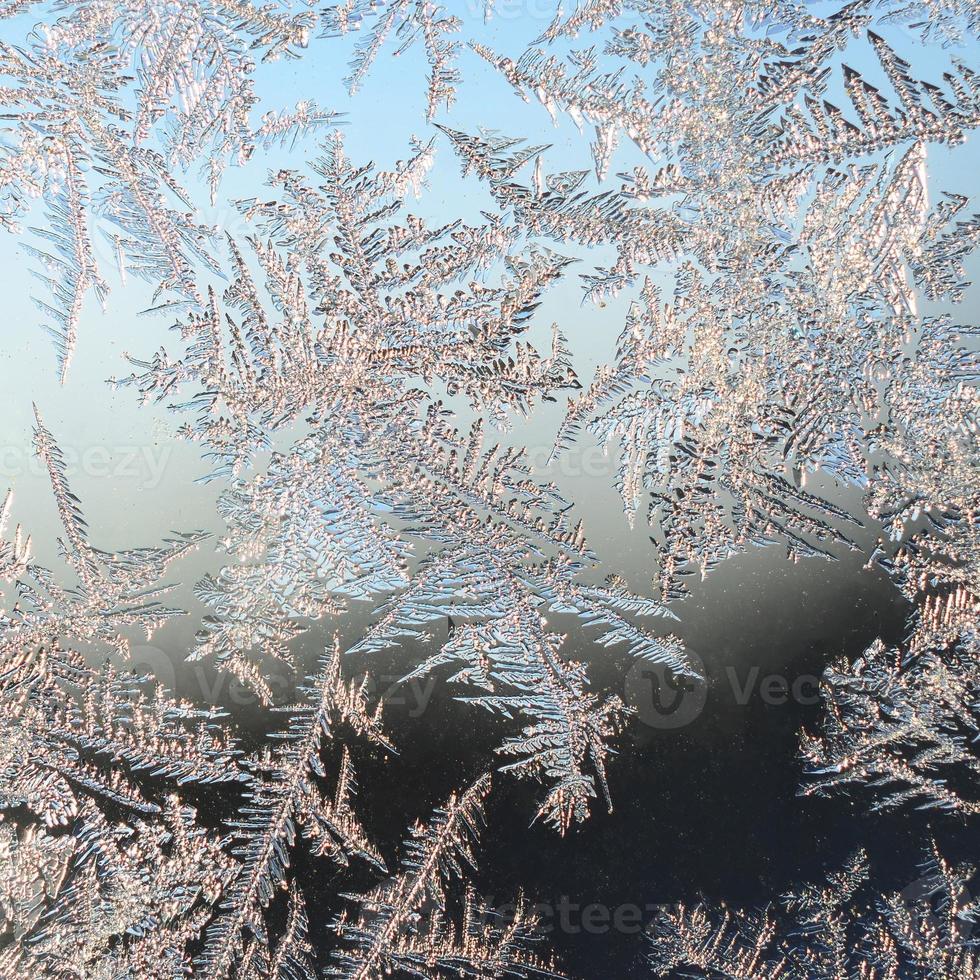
<point>135,480</point>
<point>710,809</point>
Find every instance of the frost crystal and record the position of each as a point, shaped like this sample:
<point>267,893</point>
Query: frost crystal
<point>921,935</point>
<point>747,186</point>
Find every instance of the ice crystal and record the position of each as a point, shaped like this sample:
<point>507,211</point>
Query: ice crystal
<point>410,21</point>
<point>904,722</point>
<point>112,874</point>
<point>283,796</point>
<point>129,902</point>
<point>489,528</point>
<point>106,103</point>
<point>793,194</point>
<point>114,590</point>
<point>402,925</point>
<point>759,210</point>
<point>826,932</point>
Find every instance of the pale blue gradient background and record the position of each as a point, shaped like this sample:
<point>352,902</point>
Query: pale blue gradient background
<point>711,808</point>
<point>137,480</point>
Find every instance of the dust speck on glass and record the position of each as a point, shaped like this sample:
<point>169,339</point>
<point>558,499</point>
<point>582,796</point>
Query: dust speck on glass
<point>502,500</point>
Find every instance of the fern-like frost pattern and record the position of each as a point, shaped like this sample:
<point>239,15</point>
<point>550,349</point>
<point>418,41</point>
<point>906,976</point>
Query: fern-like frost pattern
<point>751,193</point>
